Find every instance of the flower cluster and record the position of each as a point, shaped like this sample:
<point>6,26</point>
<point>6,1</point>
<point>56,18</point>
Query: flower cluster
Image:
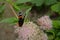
<point>45,22</point>
<point>30,31</point>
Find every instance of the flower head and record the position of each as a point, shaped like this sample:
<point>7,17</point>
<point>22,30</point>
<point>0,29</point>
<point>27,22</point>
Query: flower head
<point>30,31</point>
<point>45,22</point>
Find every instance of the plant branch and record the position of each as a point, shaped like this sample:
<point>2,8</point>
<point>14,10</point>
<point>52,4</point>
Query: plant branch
<point>13,11</point>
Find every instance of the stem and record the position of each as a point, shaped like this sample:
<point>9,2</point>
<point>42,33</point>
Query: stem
<point>10,3</point>
<point>13,11</point>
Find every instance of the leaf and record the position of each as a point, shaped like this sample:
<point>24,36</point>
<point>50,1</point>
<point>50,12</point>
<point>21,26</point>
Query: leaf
<point>56,7</point>
<point>49,2</point>
<point>51,32</point>
<point>22,1</point>
<point>2,7</point>
<point>58,34</point>
<point>56,24</point>
<point>22,6</point>
<point>13,4</point>
<point>16,7</point>
<point>57,38</point>
<point>2,0</point>
<point>9,20</point>
<point>50,35</point>
<point>38,2</point>
<point>26,14</point>
<point>58,18</point>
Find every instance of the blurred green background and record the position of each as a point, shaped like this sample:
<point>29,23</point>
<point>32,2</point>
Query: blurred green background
<point>8,8</point>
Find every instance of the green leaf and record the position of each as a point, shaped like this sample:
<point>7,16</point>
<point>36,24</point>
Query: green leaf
<point>57,38</point>
<point>9,20</point>
<point>22,1</point>
<point>58,34</point>
<point>38,2</point>
<point>49,2</point>
<point>50,34</point>
<point>26,14</point>
<point>2,0</point>
<point>2,7</point>
<point>22,6</point>
<point>56,7</point>
<point>58,18</point>
<point>16,7</point>
<point>13,4</point>
<point>56,24</point>
<point>50,37</point>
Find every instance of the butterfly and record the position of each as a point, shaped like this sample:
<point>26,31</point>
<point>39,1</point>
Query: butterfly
<point>20,19</point>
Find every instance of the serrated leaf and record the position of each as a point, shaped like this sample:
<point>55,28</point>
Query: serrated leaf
<point>49,2</point>
<point>9,20</point>
<point>22,1</point>
<point>38,2</point>
<point>56,7</point>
